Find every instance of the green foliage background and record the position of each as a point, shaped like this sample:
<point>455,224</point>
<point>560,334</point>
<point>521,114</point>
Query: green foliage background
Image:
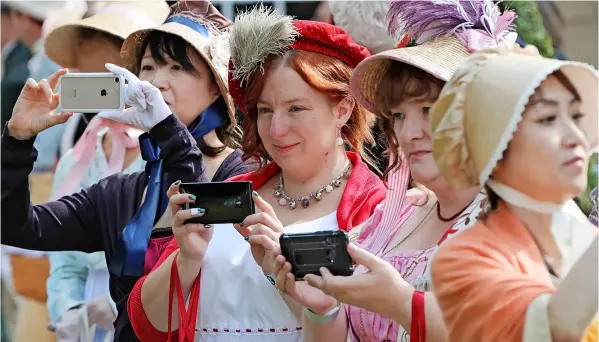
<point>584,201</point>
<point>529,25</point>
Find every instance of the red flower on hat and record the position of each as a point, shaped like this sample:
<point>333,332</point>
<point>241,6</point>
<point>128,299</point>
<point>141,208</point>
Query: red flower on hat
<point>316,37</point>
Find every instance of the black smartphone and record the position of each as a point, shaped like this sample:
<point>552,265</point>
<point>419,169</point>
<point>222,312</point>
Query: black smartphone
<point>308,252</point>
<point>224,202</point>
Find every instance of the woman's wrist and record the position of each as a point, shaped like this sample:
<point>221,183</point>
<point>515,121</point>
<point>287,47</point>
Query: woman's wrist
<point>321,310</point>
<point>324,317</point>
<point>15,132</point>
<point>188,268</point>
<point>399,306</point>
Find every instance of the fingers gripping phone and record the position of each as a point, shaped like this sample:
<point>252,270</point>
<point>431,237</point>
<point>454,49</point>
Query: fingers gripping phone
<point>224,202</point>
<point>92,92</point>
<point>308,252</point>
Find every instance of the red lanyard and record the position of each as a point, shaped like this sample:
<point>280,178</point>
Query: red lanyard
<point>418,326</point>
<point>187,318</point>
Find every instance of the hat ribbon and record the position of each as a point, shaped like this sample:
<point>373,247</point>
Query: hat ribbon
<point>123,137</point>
<point>192,24</point>
<point>518,199</point>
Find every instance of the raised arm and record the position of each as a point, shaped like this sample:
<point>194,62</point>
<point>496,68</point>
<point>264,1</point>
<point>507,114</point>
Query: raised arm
<point>573,306</point>
<point>76,222</point>
<point>70,223</point>
<point>150,296</point>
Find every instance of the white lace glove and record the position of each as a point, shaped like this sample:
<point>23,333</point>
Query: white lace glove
<point>147,107</point>
<point>101,312</point>
<point>70,326</point>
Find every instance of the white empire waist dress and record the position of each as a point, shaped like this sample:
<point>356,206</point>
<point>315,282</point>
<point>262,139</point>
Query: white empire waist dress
<point>237,302</point>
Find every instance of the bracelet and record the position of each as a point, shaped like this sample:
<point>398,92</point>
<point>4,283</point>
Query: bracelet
<point>327,318</point>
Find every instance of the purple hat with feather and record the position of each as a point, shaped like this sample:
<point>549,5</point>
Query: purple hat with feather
<point>444,34</point>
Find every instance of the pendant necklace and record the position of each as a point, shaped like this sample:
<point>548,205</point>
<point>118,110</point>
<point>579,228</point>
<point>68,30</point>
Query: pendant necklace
<point>292,202</point>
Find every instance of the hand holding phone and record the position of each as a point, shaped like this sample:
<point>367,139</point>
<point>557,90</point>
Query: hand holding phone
<point>223,202</point>
<point>308,252</point>
<point>92,92</point>
<point>35,108</point>
<point>147,105</point>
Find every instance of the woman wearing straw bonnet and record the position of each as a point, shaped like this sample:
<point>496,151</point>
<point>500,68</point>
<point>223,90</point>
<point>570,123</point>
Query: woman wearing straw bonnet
<point>523,126</point>
<point>291,79</point>
<point>386,299</point>
<point>123,214</point>
<point>78,289</point>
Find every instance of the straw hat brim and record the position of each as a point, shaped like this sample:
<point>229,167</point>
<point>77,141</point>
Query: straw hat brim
<point>440,58</point>
<point>134,47</point>
<point>62,42</point>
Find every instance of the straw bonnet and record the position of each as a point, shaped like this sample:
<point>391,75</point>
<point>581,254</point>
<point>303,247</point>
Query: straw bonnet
<point>262,32</point>
<point>205,29</point>
<point>117,18</point>
<point>444,34</point>
<point>365,22</point>
<point>480,107</point>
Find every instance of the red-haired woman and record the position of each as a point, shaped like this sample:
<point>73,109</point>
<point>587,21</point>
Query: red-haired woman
<point>291,78</point>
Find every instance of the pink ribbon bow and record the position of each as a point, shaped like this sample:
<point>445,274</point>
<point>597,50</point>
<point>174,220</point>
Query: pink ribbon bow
<point>479,39</point>
<point>123,137</point>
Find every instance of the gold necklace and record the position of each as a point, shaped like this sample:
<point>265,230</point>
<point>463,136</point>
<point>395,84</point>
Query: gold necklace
<point>418,226</point>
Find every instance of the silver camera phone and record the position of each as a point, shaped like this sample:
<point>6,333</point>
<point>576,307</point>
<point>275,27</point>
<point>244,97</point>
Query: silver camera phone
<point>92,92</point>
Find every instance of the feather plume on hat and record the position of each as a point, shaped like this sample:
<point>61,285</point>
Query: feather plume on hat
<point>473,22</point>
<point>257,34</point>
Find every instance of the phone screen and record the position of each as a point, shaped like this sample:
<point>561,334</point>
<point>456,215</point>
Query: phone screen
<point>224,202</point>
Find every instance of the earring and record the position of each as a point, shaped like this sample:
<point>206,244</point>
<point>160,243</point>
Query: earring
<point>339,139</point>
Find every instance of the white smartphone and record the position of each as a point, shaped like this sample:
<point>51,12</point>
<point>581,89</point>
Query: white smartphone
<point>92,92</point>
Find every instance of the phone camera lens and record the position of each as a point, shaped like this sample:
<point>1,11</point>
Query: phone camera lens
<point>116,79</point>
<point>328,241</point>
<point>331,254</point>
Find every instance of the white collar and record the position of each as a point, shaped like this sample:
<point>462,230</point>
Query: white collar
<point>518,199</point>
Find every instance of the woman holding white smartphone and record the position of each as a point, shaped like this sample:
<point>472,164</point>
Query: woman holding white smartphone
<point>122,215</point>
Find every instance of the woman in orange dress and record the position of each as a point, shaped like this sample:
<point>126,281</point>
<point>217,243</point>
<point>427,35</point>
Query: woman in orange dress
<point>522,126</point>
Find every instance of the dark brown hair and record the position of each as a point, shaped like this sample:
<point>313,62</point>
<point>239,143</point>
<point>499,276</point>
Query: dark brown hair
<point>400,83</point>
<point>326,74</point>
<point>165,45</point>
<point>563,80</point>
